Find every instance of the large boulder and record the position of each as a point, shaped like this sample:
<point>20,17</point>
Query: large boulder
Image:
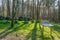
<point>8,18</point>
<point>2,18</point>
<point>21,18</point>
<point>27,19</point>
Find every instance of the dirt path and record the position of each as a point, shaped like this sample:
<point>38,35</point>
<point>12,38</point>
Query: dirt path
<point>56,38</point>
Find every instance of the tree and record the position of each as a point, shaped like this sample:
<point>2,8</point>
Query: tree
<point>3,3</point>
<point>59,10</point>
<point>8,7</point>
<point>13,13</point>
<point>22,8</point>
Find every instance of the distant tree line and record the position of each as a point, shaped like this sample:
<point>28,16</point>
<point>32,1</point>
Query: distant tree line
<point>31,9</point>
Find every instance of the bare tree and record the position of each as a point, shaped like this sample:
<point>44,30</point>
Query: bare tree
<point>13,13</point>
<point>59,10</point>
<point>8,7</point>
<point>3,8</point>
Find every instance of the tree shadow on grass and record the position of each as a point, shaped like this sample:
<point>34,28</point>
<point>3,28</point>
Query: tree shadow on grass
<point>28,36</point>
<point>10,30</point>
<point>42,36</point>
<point>53,28</point>
<point>23,27</point>
<point>56,28</point>
<point>26,26</point>
<point>32,34</point>
<point>3,26</point>
<point>42,32</point>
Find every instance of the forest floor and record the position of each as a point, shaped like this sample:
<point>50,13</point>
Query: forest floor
<point>28,31</point>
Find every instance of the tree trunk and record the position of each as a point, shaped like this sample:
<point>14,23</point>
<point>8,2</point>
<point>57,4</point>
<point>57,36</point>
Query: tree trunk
<point>59,11</point>
<point>13,14</point>
<point>8,8</point>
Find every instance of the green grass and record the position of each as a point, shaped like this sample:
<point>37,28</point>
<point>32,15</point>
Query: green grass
<point>32,31</point>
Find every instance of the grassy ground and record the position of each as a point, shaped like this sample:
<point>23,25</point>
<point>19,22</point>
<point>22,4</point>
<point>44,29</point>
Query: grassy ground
<point>30,31</point>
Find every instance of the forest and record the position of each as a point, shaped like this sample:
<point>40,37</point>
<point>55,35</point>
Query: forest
<point>29,19</point>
